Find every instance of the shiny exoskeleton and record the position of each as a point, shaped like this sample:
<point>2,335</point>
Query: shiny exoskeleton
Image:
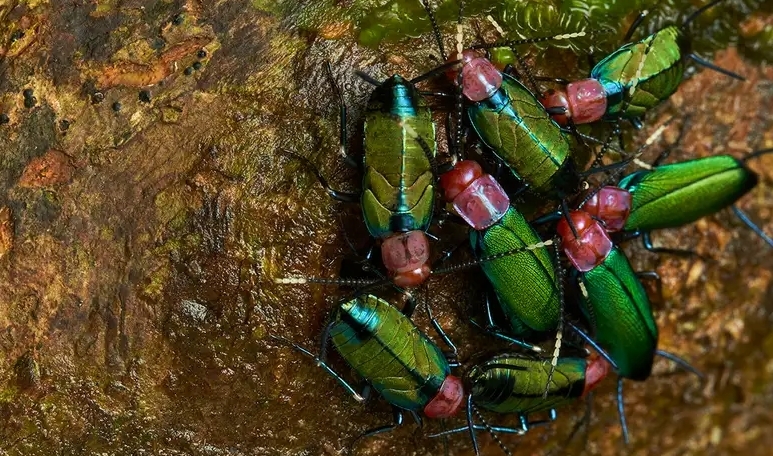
<point>654,66</point>
<point>398,190</point>
<point>524,283</point>
<point>613,299</point>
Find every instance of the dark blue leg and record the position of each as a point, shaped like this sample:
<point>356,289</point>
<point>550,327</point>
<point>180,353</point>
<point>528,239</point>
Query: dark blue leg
<point>593,344</point>
<point>526,424</point>
<point>636,23</point>
<point>345,197</point>
<point>680,362</point>
<point>703,62</point>
<point>453,357</point>
<point>752,226</point>
<point>342,121</point>
<point>621,410</point>
<point>652,275</point>
<point>349,388</point>
<point>492,328</point>
<point>480,427</point>
<point>471,425</point>
<point>417,418</point>
<point>547,218</point>
<point>410,306</point>
<point>367,78</point>
<point>647,241</point>
<point>397,416</point>
<point>581,423</point>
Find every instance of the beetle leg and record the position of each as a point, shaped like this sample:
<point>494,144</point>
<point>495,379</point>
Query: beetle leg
<point>321,363</point>
<point>621,410</point>
<point>752,226</point>
<point>647,241</point>
<point>397,416</point>
<point>652,275</point>
<point>344,147</point>
<point>345,197</point>
<point>705,63</point>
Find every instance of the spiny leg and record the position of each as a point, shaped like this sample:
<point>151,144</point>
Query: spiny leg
<point>397,420</point>
<point>493,329</point>
<point>342,120</point>
<point>344,197</point>
<point>319,361</point>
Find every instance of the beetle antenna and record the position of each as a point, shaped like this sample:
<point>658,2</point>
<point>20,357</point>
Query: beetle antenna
<point>299,280</point>
<point>496,256</point>
<point>698,12</point>
<point>435,29</point>
<point>560,329</point>
<point>542,39</point>
<point>491,431</point>
<point>621,165</point>
<point>627,100</point>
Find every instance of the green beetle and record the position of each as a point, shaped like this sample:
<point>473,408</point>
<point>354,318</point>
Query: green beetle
<point>673,195</point>
<point>388,351</point>
<point>654,66</point>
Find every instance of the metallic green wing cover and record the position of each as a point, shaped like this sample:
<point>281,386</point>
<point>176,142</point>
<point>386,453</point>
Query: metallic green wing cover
<point>620,315</point>
<point>525,283</point>
<point>389,351</point>
<point>515,384</point>
<point>518,129</point>
<point>681,193</point>
<point>662,69</point>
<point>398,191</point>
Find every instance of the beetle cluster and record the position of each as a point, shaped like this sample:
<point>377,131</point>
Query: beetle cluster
<point>535,268</point>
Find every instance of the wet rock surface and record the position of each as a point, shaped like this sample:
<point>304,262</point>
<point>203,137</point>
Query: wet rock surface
<point>139,245</point>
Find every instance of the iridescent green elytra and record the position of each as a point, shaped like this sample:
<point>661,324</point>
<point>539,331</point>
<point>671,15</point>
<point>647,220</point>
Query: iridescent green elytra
<point>517,128</point>
<point>662,54</point>
<point>620,315</point>
<point>681,193</point>
<point>525,283</point>
<point>398,185</point>
<point>515,384</point>
<point>389,351</point>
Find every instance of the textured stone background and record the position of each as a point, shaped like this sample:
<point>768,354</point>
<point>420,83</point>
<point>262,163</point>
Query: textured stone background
<point>145,210</point>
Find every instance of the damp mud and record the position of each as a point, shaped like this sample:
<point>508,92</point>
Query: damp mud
<point>148,202</point>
